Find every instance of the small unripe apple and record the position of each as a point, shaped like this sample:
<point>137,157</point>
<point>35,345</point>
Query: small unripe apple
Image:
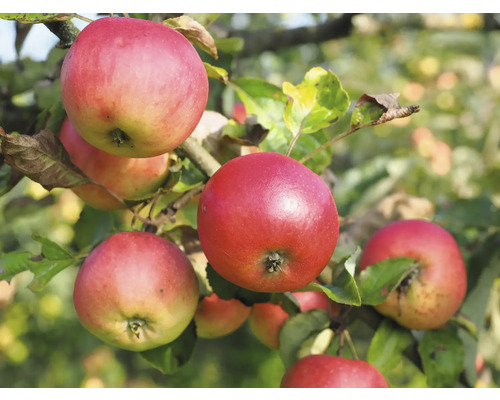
<point>129,178</point>
<point>216,317</point>
<point>136,291</point>
<point>267,223</point>
<point>266,319</point>
<point>327,371</point>
<point>430,296</point>
<point>133,87</point>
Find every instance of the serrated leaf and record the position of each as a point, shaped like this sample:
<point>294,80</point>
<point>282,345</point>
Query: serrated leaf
<point>52,260</point>
<point>52,250</point>
<point>387,346</point>
<point>297,329</point>
<point>216,73</point>
<point>45,270</point>
<point>378,280</point>
<point>171,357</point>
<point>194,32</point>
<point>442,355</point>
<point>227,290</point>
<point>374,109</point>
<point>34,18</point>
<point>342,290</point>
<point>94,225</point>
<point>13,263</point>
<point>190,177</point>
<point>42,158</point>
<point>316,103</point>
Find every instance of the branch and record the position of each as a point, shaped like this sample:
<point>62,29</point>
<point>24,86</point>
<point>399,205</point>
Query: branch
<point>272,40</point>
<point>66,31</point>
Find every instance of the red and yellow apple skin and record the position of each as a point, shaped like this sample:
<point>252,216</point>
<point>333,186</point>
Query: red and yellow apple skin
<point>266,319</point>
<point>136,291</point>
<point>216,317</point>
<point>328,371</point>
<point>438,288</point>
<point>133,87</point>
<point>267,223</point>
<point>129,178</point>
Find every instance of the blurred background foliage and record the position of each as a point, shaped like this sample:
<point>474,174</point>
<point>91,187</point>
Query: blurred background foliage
<point>442,163</point>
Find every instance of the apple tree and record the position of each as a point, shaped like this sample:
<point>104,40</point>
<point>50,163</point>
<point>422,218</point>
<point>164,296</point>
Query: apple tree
<point>194,200</point>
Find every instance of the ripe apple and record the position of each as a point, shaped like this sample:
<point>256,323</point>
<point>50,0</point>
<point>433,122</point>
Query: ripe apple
<point>133,87</point>
<point>136,291</point>
<point>266,319</point>
<point>267,223</point>
<point>239,113</point>
<point>327,371</point>
<point>428,298</point>
<point>129,178</point>
<point>216,317</point>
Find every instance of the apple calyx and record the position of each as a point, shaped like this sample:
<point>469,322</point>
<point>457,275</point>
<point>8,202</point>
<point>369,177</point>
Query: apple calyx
<point>135,325</point>
<point>120,138</point>
<point>273,262</point>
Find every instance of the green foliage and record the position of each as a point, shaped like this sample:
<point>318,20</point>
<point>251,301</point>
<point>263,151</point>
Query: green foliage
<point>449,73</point>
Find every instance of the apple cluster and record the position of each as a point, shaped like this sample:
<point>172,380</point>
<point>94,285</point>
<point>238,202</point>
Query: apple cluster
<point>133,91</point>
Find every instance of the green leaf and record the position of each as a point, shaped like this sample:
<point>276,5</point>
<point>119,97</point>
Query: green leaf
<point>14,263</point>
<point>230,45</point>
<point>287,301</point>
<point>227,290</point>
<point>297,329</point>
<point>171,357</point>
<point>93,226</point>
<point>190,177</point>
<point>442,355</point>
<point>52,260</point>
<point>379,108</point>
<point>42,158</point>
<point>216,73</point>
<point>378,280</point>
<point>342,290</point>
<point>262,99</point>
<point>485,268</point>
<point>387,346</point>
<point>52,250</point>
<point>316,103</point>
<point>33,18</point>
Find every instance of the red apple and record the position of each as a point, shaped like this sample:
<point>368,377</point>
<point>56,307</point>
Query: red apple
<point>133,87</point>
<point>216,317</point>
<point>239,113</point>
<point>129,178</point>
<point>136,291</point>
<point>431,296</point>
<point>266,319</point>
<point>267,223</point>
<point>327,371</point>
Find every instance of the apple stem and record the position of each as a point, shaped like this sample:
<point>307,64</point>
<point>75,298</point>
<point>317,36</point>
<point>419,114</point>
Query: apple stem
<point>135,326</point>
<point>119,137</point>
<point>273,262</point>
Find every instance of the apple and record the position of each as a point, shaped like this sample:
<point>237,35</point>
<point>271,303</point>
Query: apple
<point>328,371</point>
<point>428,298</point>
<point>239,112</point>
<point>267,223</point>
<point>133,87</point>
<point>136,291</point>
<point>129,178</point>
<point>216,317</point>
<point>266,319</point>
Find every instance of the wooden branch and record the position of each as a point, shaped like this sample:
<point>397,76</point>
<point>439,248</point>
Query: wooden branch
<point>273,40</point>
